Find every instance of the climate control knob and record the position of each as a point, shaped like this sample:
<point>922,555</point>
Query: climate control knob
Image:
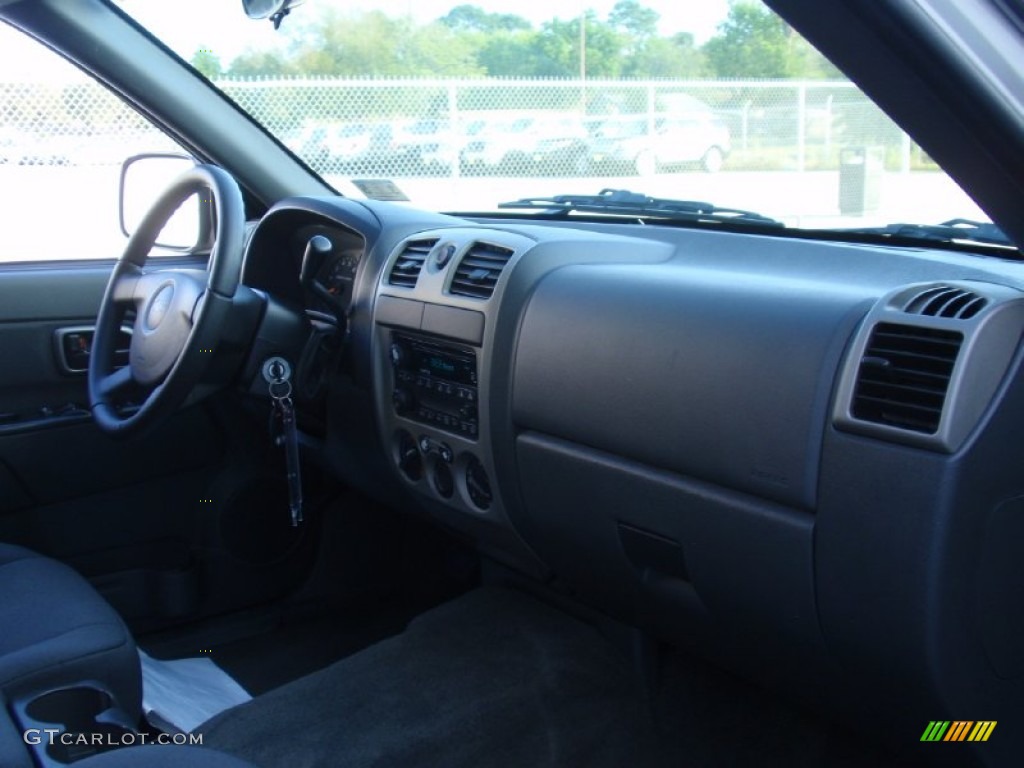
<point>409,459</point>
<point>444,483</point>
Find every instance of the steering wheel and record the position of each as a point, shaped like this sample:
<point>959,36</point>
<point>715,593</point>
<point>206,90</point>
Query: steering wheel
<point>179,313</point>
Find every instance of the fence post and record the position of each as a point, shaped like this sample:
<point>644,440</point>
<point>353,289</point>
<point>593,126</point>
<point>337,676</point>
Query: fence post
<point>746,122</point>
<point>828,130</point>
<point>455,130</point>
<point>651,103</point>
<point>904,152</point>
<point>801,127</point>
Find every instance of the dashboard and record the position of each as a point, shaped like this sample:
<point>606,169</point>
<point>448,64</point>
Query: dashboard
<point>797,458</point>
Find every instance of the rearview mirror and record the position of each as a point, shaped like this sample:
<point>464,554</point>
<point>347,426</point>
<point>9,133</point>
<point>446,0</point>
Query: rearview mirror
<point>143,179</point>
<point>275,10</point>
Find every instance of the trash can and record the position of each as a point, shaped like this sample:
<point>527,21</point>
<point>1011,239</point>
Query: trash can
<point>860,179</point>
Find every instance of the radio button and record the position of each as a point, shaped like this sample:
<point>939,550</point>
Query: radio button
<point>403,400</point>
<point>399,355</point>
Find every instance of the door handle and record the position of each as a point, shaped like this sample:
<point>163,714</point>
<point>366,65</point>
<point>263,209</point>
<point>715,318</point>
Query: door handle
<point>73,346</point>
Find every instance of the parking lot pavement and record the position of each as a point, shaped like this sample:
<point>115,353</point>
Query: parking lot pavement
<point>71,211</point>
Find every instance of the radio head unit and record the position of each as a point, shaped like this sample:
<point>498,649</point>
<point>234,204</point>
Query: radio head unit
<point>435,383</point>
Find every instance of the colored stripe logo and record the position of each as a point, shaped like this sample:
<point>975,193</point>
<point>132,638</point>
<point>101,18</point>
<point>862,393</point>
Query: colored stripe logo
<point>958,730</point>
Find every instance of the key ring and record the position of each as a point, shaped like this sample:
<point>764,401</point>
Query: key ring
<point>285,395</point>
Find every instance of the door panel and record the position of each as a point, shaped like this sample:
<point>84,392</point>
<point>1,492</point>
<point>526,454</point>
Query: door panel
<point>186,521</point>
<point>34,304</point>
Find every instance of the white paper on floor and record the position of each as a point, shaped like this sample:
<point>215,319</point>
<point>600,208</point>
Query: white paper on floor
<point>185,693</point>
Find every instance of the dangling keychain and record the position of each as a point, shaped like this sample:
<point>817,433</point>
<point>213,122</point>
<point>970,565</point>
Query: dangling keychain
<point>278,372</point>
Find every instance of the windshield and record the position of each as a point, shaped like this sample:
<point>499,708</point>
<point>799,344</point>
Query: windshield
<point>465,106</point>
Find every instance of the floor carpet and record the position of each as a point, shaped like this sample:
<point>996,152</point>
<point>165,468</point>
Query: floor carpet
<point>493,678</point>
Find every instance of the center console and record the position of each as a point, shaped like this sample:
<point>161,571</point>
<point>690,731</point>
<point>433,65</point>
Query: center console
<point>434,318</point>
<point>59,727</point>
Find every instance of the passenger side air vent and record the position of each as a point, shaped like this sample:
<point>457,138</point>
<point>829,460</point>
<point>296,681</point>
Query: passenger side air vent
<point>410,261</point>
<point>946,301</point>
<point>904,376</point>
<point>479,270</point>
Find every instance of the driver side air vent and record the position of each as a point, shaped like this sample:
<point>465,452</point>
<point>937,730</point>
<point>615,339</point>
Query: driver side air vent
<point>479,270</point>
<point>904,376</point>
<point>946,301</point>
<point>410,261</point>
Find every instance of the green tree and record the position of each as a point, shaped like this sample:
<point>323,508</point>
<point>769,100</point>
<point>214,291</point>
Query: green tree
<point>259,64</point>
<point>629,15</point>
<point>558,48</point>
<point>753,42</point>
<point>670,57</point>
<point>375,44</point>
<point>511,54</point>
<point>472,18</point>
<point>207,63</point>
<point>808,63</point>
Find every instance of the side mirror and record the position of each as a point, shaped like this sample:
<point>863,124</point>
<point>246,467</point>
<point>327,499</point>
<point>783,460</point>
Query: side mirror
<point>143,179</point>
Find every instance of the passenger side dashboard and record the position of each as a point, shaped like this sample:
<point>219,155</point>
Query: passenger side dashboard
<point>795,457</point>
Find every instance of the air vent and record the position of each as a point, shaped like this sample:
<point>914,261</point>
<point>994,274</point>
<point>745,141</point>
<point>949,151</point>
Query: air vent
<point>479,270</point>
<point>904,376</point>
<point>946,301</point>
<point>409,262</point>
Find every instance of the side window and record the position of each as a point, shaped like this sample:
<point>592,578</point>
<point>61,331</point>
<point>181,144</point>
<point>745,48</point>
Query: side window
<point>63,137</point>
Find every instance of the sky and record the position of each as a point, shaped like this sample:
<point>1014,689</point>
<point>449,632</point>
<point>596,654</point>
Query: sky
<point>221,25</point>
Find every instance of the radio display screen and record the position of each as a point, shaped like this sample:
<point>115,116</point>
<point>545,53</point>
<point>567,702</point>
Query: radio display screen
<point>444,365</point>
<point>441,366</point>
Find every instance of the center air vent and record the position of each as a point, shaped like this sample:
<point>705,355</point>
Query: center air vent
<point>479,270</point>
<point>410,261</point>
<point>946,301</point>
<point>904,376</point>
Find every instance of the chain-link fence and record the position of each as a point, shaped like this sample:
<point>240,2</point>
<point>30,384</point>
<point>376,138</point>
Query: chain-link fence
<point>70,123</point>
<point>413,127</point>
<point>570,127</point>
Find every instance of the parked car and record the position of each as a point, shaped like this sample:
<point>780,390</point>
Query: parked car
<point>352,148</point>
<point>442,150</point>
<point>528,144</point>
<point>413,139</point>
<point>645,144</point>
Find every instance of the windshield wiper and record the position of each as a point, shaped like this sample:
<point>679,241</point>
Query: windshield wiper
<point>624,202</point>
<point>951,231</point>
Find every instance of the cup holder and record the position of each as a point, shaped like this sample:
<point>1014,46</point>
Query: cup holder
<point>70,706</point>
<point>83,720</point>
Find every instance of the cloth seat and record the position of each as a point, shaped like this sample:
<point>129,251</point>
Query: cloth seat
<point>58,631</point>
<point>163,756</point>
